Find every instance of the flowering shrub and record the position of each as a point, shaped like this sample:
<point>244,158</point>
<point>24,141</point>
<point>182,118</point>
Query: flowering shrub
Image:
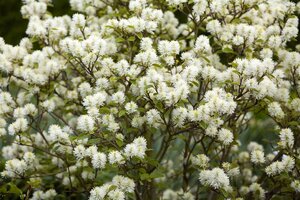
<point>148,99</point>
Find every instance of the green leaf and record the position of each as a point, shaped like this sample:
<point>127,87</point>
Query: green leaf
<point>195,83</point>
<point>94,141</point>
<point>55,148</point>
<point>205,58</point>
<point>236,21</point>
<point>119,142</point>
<point>156,65</point>
<point>141,109</point>
<point>228,50</point>
<point>247,19</point>
<point>139,35</point>
<point>119,40</point>
<point>122,113</point>
<point>203,125</point>
<point>156,174</point>
<point>108,26</point>
<point>77,137</point>
<point>152,161</point>
<point>112,187</point>
<point>142,170</point>
<point>293,123</point>
<point>104,110</point>
<point>145,176</point>
<point>10,188</point>
<point>131,38</point>
<point>259,41</point>
<point>256,7</point>
<point>34,183</point>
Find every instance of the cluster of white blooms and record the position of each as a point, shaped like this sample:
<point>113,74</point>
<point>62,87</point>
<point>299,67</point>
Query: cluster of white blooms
<point>14,168</point>
<point>85,123</point>
<point>200,160</point>
<point>254,67</point>
<point>296,185</point>
<point>231,170</point>
<point>257,190</point>
<point>225,136</point>
<point>109,121</point>
<point>20,125</point>
<point>168,50</point>
<point>177,195</point>
<point>134,24</point>
<point>137,148</point>
<point>99,159</point>
<point>115,190</point>
<point>286,165</point>
<point>56,133</point>
<point>176,2</point>
<point>17,167</point>
<point>215,178</point>
<point>131,107</point>
<point>95,100</point>
<point>34,8</point>
<point>275,110</point>
<point>28,109</point>
<point>115,157</point>
<point>88,49</point>
<point>14,151</point>
<point>219,101</point>
<point>286,138</point>
<point>202,44</point>
<point>79,152</point>
<point>47,195</point>
<point>257,157</point>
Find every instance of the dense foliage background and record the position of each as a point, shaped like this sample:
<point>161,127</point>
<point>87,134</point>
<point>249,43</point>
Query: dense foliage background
<point>12,29</point>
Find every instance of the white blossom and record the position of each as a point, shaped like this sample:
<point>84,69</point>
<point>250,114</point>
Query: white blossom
<point>215,178</point>
<point>85,123</point>
<point>257,157</point>
<point>99,160</point>
<point>286,138</point>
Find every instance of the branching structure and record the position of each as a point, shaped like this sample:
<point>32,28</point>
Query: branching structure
<point>148,99</point>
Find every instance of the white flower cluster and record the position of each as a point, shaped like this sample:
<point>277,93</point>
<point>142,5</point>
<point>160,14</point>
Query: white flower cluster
<point>176,195</point>
<point>257,157</point>
<point>17,167</point>
<point>286,165</point>
<point>215,178</point>
<point>85,123</point>
<point>47,195</point>
<point>148,22</point>
<point>136,149</point>
<point>257,190</point>
<point>296,185</point>
<point>115,190</point>
<point>200,160</point>
<point>99,159</point>
<point>286,138</point>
